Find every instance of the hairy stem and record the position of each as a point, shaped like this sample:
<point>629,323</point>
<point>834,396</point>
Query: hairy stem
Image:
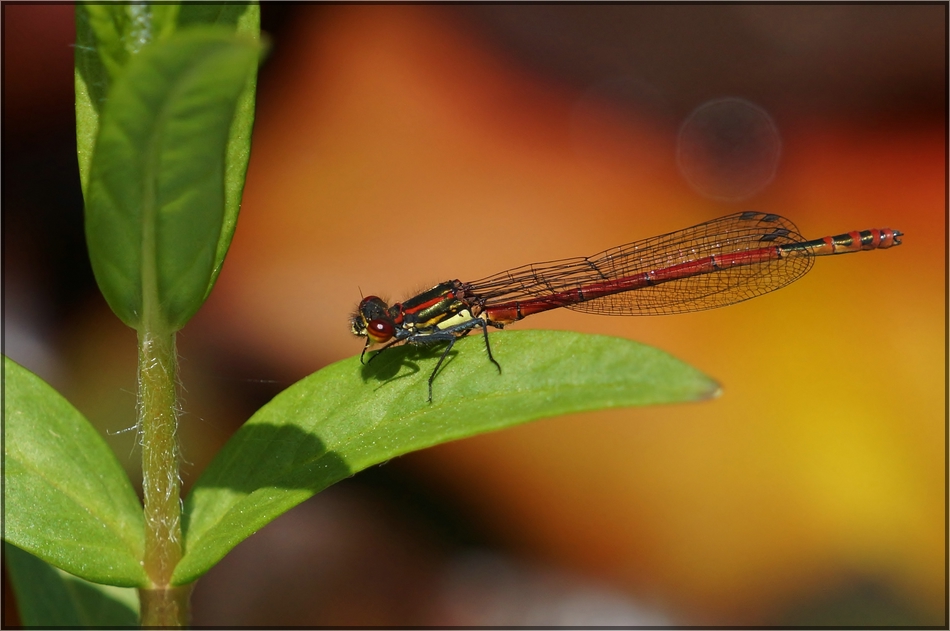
<point>162,605</point>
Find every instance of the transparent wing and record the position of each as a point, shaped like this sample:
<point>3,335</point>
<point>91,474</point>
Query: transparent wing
<point>730,235</point>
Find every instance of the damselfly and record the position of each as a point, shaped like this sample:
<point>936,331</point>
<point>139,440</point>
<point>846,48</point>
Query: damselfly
<point>713,264</point>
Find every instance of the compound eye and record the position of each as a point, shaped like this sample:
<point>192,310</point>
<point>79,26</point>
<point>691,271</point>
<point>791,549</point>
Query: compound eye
<point>380,330</point>
<point>368,299</point>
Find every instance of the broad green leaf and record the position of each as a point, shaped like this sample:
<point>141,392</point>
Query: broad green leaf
<point>67,499</point>
<point>155,204</point>
<point>347,417</point>
<point>98,30</point>
<point>49,597</point>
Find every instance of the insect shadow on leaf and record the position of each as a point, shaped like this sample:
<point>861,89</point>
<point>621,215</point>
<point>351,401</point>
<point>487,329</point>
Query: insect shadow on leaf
<point>400,362</point>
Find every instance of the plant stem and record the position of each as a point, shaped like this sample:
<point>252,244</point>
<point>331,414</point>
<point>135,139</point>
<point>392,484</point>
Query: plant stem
<point>166,607</point>
<point>161,604</point>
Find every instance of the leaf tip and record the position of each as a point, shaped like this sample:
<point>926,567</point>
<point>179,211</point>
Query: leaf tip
<point>714,391</point>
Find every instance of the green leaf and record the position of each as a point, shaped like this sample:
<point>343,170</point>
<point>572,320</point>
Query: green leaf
<point>67,499</point>
<point>49,597</point>
<point>108,34</point>
<point>347,417</point>
<point>155,208</point>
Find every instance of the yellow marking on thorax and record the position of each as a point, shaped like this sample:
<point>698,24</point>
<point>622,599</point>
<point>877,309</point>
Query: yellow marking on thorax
<point>462,316</point>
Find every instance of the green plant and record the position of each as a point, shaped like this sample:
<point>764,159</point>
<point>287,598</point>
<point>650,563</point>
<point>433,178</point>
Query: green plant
<point>164,115</point>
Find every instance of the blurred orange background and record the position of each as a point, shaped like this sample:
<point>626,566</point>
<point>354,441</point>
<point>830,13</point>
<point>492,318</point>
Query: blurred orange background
<point>400,146</point>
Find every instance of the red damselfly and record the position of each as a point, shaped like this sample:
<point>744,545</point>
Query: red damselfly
<point>713,264</point>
